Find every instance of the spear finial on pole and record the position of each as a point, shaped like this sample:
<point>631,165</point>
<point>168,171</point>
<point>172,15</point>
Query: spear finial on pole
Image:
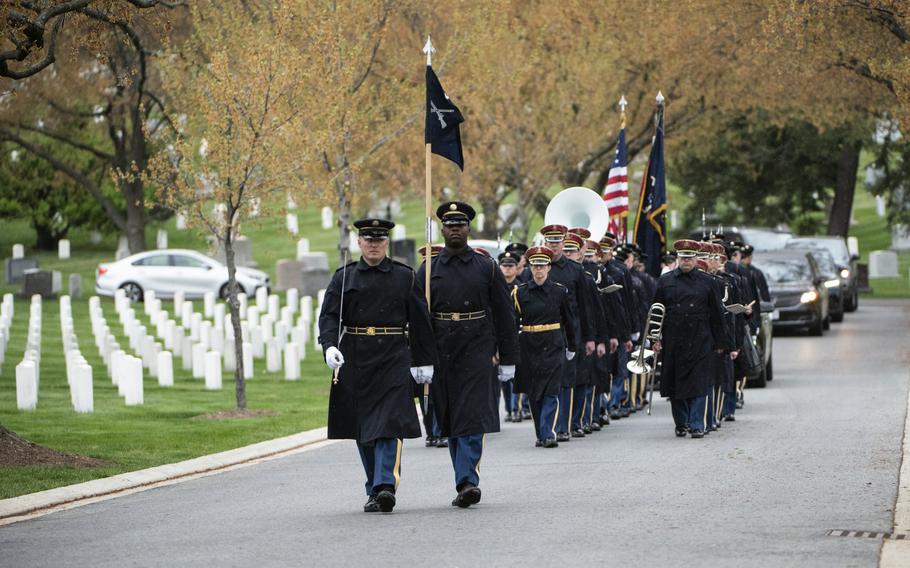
<point>622,109</point>
<point>429,50</point>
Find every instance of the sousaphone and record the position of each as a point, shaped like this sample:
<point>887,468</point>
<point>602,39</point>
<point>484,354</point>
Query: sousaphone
<point>579,207</point>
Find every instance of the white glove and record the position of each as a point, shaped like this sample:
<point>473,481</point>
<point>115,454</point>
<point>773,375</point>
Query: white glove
<point>422,375</point>
<point>570,355</point>
<point>333,358</point>
<point>636,335</point>
<point>506,373</point>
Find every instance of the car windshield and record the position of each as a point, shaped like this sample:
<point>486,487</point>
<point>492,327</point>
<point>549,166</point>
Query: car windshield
<point>781,271</point>
<point>825,262</point>
<point>837,247</point>
<point>765,239</point>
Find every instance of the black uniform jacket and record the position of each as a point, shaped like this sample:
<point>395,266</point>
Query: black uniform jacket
<point>693,327</point>
<point>464,389</point>
<point>571,275</point>
<point>374,396</point>
<point>543,353</point>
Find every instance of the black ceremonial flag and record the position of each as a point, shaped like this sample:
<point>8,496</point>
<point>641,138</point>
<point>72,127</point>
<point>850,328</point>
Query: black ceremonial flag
<point>443,117</point>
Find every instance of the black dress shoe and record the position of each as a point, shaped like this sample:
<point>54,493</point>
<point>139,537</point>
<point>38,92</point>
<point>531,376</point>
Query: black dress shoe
<point>614,414</point>
<point>681,432</point>
<point>595,426</point>
<point>526,414</point>
<point>578,433</point>
<point>604,420</point>
<point>563,437</point>
<point>550,443</point>
<point>538,443</point>
<point>467,496</point>
<point>516,417</point>
<point>587,428</point>
<point>442,443</point>
<point>508,417</point>
<point>730,418</point>
<point>624,412</point>
<point>431,441</point>
<point>697,434</point>
<point>385,500</point>
<point>371,506</point>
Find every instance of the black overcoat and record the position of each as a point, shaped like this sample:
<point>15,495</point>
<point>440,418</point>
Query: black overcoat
<point>464,388</point>
<point>692,329</point>
<point>543,354</point>
<point>374,396</point>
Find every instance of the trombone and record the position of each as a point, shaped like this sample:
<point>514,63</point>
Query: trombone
<point>652,331</point>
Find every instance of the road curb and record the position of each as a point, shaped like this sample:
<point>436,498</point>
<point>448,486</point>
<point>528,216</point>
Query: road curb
<point>34,505</point>
<point>896,552</point>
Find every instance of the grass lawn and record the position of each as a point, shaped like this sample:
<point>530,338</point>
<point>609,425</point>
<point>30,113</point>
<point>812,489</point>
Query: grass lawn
<point>873,234</point>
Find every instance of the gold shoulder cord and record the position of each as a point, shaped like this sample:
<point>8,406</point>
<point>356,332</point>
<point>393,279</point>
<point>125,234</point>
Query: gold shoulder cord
<point>515,299</point>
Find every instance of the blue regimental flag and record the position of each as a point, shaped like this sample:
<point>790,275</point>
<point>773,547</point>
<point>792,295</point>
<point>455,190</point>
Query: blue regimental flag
<point>650,223</point>
<point>442,119</point>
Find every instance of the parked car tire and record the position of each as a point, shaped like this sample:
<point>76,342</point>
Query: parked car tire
<point>817,328</point>
<point>223,292</point>
<point>838,317</point>
<point>769,370</point>
<point>826,324</point>
<point>761,381</point>
<point>133,291</point>
<point>852,304</point>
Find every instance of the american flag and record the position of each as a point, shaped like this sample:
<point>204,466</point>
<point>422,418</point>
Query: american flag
<point>616,193</point>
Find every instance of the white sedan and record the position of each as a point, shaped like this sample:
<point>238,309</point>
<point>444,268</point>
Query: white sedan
<point>167,271</point>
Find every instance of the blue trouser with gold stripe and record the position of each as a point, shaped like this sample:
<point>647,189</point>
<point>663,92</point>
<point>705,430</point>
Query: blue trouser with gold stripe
<point>544,411</point>
<point>466,452</point>
<point>581,406</point>
<point>619,386</point>
<point>564,418</point>
<point>382,463</point>
<point>690,412</point>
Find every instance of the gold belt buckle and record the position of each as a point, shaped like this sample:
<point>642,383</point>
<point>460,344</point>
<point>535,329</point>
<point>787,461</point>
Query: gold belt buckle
<point>371,330</point>
<point>456,316</point>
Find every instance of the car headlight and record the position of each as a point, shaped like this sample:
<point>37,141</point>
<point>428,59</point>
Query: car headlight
<point>832,283</point>
<point>808,297</point>
<point>844,273</point>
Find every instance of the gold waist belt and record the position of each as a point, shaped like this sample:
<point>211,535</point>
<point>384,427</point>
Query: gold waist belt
<point>371,330</point>
<point>459,316</point>
<point>541,327</point>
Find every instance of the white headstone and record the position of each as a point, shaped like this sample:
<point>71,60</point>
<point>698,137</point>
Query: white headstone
<point>398,232</point>
<point>178,302</point>
<point>293,224</point>
<point>135,394</point>
<point>883,264</point>
<point>274,306</point>
<point>327,218</point>
<point>880,205</point>
<point>18,251</point>
<point>853,245</point>
<point>255,203</point>
<point>212,370</point>
<point>208,304</point>
<point>480,221</point>
<point>165,369</point>
<point>123,248</point>
<point>272,356</point>
<point>291,363</point>
<point>291,203</point>
<point>83,393</point>
<point>180,219</point>
<point>26,385</point>
<point>187,354</point>
<point>95,237</point>
<point>199,351</point>
<point>242,301</point>
<point>265,324</point>
<point>161,239</point>
<point>256,342</point>
<point>230,357</point>
<point>218,316</point>
<point>248,369</point>
<point>303,247</point>
<point>900,237</point>
<point>281,334</point>
<point>63,249</point>
<point>262,297</point>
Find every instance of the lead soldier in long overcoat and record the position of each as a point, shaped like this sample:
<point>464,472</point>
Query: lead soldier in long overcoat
<point>386,334</point>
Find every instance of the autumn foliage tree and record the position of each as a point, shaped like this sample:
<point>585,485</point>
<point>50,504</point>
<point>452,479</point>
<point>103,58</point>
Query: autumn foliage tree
<point>238,86</point>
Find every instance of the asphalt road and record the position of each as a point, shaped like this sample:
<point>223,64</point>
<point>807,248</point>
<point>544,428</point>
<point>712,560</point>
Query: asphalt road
<point>819,449</point>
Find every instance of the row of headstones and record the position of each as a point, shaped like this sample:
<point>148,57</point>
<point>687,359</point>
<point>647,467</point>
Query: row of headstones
<point>28,376</point>
<point>6,322</point>
<point>78,370</point>
<point>63,249</point>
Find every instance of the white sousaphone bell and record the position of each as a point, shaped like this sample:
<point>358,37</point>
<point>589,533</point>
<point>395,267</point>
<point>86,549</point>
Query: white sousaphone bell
<point>579,207</point>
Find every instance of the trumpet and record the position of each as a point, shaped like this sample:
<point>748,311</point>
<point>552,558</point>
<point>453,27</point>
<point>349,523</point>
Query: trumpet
<point>652,331</point>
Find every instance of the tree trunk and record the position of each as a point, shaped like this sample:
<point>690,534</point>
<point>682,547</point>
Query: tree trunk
<point>844,187</point>
<point>134,194</point>
<point>342,188</point>
<point>234,305</point>
<point>490,207</point>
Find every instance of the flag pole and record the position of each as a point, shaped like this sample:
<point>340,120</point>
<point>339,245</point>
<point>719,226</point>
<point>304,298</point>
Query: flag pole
<point>622,125</point>
<point>428,250</point>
